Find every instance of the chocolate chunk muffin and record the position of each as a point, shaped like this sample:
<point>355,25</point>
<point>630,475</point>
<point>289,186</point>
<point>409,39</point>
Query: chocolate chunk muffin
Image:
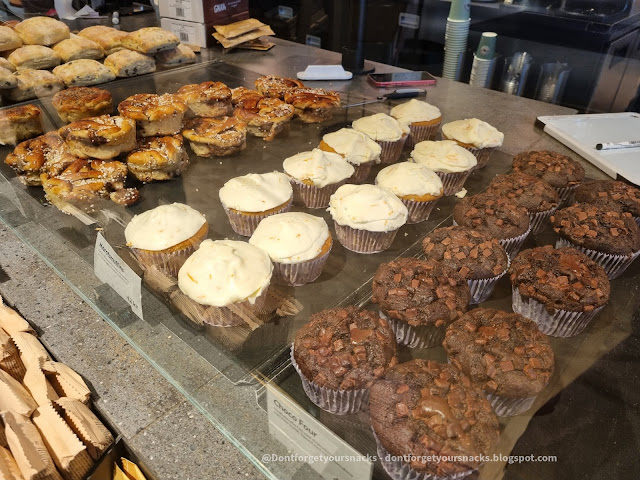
<point>475,255</point>
<point>537,196</point>
<point>424,409</point>
<point>561,289</point>
<point>496,216</point>
<point>420,297</point>
<point>503,352</point>
<point>556,169</point>
<point>339,353</point>
<point>610,194</point>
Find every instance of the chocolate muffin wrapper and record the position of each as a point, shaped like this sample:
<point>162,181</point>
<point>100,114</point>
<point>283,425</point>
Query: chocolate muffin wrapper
<point>167,262</point>
<point>614,265</point>
<point>424,336</point>
<point>401,470</point>
<point>363,241</point>
<point>314,197</point>
<point>297,274</point>
<point>391,150</point>
<point>420,133</point>
<point>338,402</point>
<point>418,211</point>
<point>566,195</point>
<point>482,288</point>
<point>245,224</point>
<point>453,182</point>
<point>509,406</point>
<point>513,245</point>
<point>560,323</point>
<point>537,220</point>
<point>360,172</point>
<point>637,219</point>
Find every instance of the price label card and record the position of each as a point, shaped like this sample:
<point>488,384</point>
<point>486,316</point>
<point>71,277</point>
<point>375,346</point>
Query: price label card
<point>312,442</point>
<point>408,20</point>
<point>112,270</point>
<point>285,12</point>
<point>314,41</point>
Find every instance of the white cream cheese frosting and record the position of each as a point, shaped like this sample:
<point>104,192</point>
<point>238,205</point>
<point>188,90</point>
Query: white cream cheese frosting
<point>380,127</point>
<point>223,272</point>
<point>474,132</point>
<point>291,237</point>
<point>415,111</point>
<point>356,147</point>
<point>256,192</point>
<point>163,227</point>
<point>408,178</point>
<point>367,207</point>
<point>321,168</point>
<point>444,156</point>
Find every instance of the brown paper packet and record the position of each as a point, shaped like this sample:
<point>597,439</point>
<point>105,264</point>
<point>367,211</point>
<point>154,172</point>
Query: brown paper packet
<point>32,352</point>
<point>39,387</point>
<point>228,43</point>
<point>14,397</point>
<point>86,426</point>
<point>66,381</point>
<point>261,44</point>
<point>28,448</point>
<point>68,452</point>
<point>118,474</point>
<point>11,322</point>
<point>3,437</point>
<point>132,470</point>
<point>233,30</point>
<point>8,467</point>
<point>10,360</point>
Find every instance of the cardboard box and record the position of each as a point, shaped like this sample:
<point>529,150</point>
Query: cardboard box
<point>204,11</point>
<point>198,33</point>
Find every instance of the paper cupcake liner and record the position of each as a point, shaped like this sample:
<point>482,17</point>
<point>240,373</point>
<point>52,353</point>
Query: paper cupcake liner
<point>297,274</point>
<point>338,402</point>
<point>234,315</point>
<point>363,241</point>
<point>509,406</point>
<point>420,133</point>
<point>418,211</point>
<point>424,336</point>
<point>637,219</point>
<point>391,150</point>
<point>167,262</point>
<point>245,224</point>
<point>566,195</point>
<point>537,220</point>
<point>360,172</point>
<point>511,245</point>
<point>614,265</point>
<point>482,288</point>
<point>482,154</point>
<point>311,196</point>
<point>453,182</point>
<point>560,323</point>
<point>398,469</point>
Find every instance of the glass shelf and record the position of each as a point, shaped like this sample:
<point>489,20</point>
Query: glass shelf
<point>231,376</point>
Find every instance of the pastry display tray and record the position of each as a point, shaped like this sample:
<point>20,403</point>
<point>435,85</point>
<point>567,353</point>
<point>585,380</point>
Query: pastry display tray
<point>230,377</point>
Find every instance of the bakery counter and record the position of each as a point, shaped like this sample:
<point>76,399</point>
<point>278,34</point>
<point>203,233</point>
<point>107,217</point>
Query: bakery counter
<point>185,394</point>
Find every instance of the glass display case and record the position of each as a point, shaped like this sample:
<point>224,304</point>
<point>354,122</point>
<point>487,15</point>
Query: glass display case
<point>241,378</point>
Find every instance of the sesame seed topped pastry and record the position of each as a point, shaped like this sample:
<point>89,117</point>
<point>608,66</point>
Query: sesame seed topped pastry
<point>265,117</point>
<point>313,105</point>
<point>154,114</point>
<point>216,136</point>
<point>102,137</point>
<point>274,86</point>
<point>206,99</point>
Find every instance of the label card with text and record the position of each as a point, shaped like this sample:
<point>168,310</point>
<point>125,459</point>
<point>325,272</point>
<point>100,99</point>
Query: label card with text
<point>112,270</point>
<point>323,450</point>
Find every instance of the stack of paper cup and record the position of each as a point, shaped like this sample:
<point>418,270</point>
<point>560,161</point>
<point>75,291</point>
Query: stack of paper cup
<point>455,38</point>
<point>483,61</point>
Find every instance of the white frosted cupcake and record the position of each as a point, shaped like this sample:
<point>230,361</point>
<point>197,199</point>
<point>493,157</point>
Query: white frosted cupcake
<point>165,236</point>
<point>387,132</point>
<point>297,243</point>
<point>366,217</point>
<point>477,136</point>
<point>250,198</point>
<point>226,281</point>
<point>356,148</point>
<point>422,119</point>
<point>452,163</point>
<point>316,175</point>
<point>418,187</point>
